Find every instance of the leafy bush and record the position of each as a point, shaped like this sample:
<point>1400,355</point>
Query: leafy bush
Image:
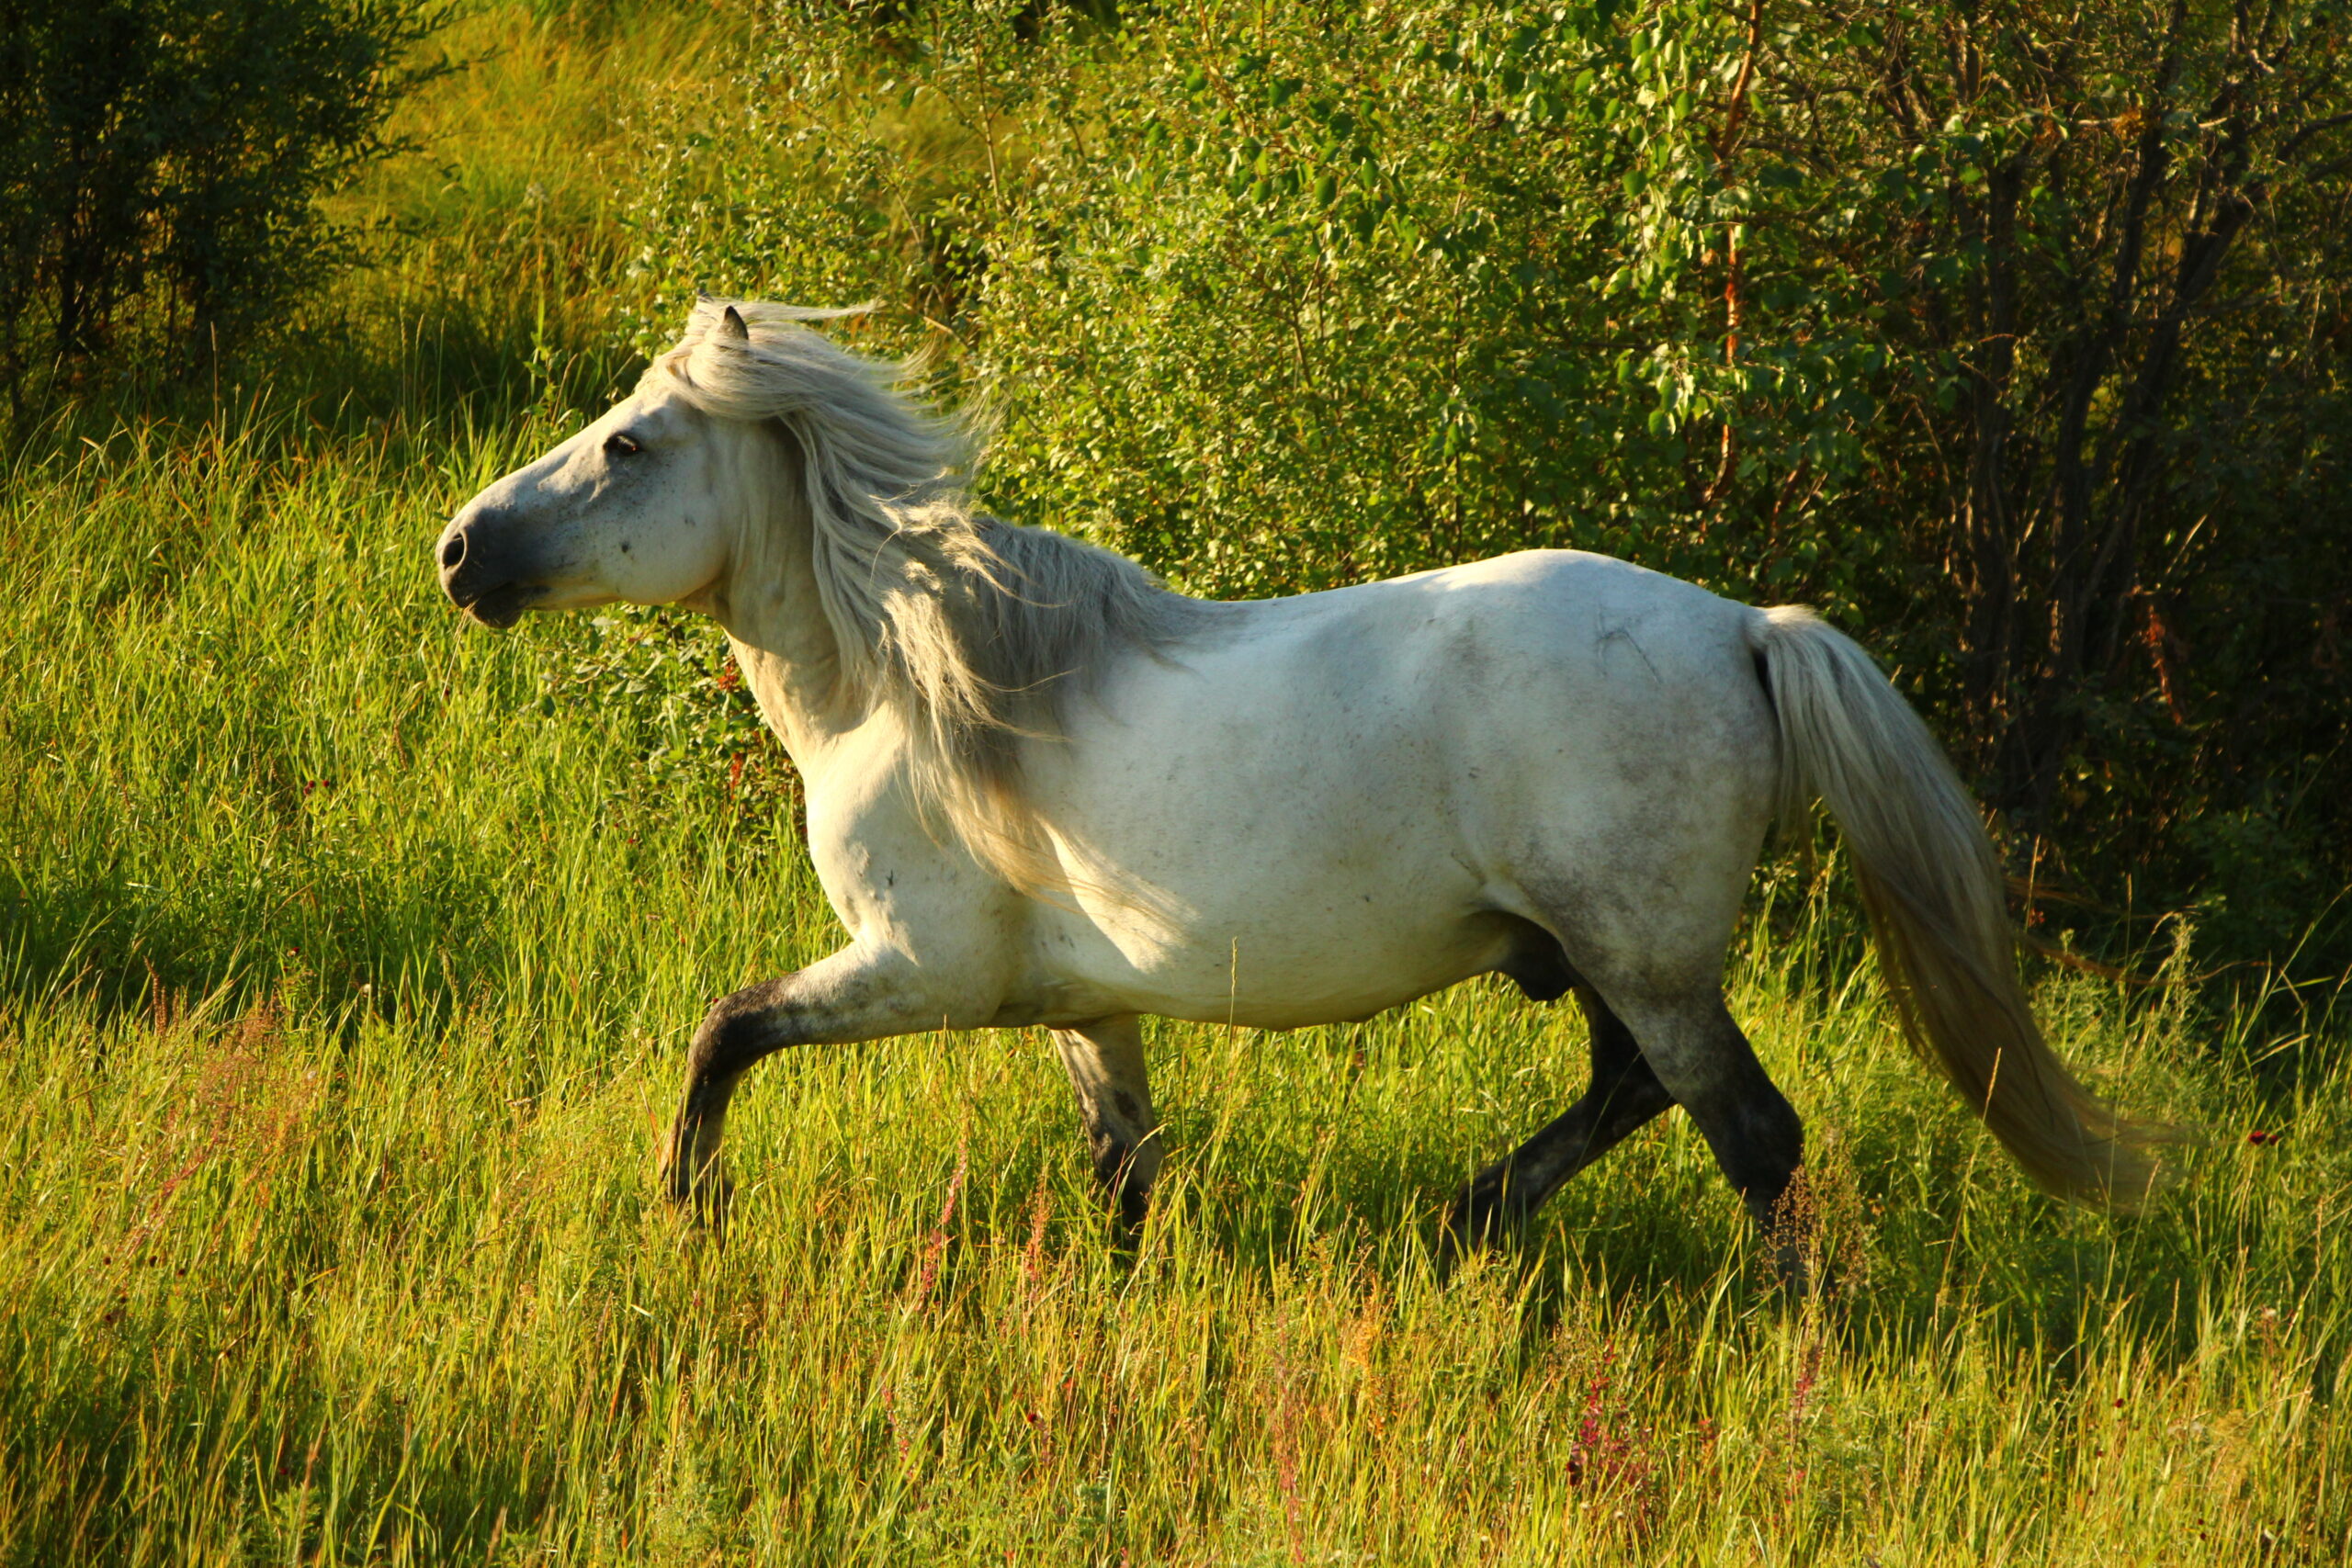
<point>159,161</point>
<point>2017,342</point>
<point>685,709</point>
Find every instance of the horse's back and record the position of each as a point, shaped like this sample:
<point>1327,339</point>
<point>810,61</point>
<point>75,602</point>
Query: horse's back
<point>1379,772</point>
<point>1542,669</point>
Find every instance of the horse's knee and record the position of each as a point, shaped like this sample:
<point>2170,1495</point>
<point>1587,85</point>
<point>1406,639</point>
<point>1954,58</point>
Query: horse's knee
<point>1124,1155</point>
<point>737,1030</point>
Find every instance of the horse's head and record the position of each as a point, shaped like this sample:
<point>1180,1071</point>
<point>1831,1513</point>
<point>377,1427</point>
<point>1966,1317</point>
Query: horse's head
<point>636,507</point>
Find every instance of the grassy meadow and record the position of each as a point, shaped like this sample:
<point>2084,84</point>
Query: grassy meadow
<point>347,959</point>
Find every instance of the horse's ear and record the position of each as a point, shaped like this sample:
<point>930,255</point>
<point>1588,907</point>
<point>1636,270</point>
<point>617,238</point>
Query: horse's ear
<point>730,325</point>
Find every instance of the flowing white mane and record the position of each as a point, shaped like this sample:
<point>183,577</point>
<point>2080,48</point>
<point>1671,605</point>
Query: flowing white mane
<point>976,631</point>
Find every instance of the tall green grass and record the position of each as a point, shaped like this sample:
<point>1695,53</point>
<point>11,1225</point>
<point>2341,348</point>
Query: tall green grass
<point>345,971</point>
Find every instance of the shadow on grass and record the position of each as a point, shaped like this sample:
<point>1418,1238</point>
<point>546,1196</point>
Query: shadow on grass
<point>1639,1239</point>
<point>348,947</point>
<point>405,374</point>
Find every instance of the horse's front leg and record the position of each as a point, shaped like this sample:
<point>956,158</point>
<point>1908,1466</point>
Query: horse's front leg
<point>856,993</point>
<point>1105,1060</point>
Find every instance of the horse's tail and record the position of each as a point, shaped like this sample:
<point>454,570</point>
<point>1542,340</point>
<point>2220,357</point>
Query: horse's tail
<point>1933,888</point>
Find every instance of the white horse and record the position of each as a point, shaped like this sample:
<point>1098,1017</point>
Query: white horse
<point>1042,789</point>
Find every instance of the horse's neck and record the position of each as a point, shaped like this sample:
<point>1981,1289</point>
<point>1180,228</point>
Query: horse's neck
<point>776,623</point>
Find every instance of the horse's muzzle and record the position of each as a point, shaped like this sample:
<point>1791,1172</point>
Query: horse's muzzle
<point>480,573</point>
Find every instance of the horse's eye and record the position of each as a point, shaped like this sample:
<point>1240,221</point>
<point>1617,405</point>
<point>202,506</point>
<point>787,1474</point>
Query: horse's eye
<point>620,446</point>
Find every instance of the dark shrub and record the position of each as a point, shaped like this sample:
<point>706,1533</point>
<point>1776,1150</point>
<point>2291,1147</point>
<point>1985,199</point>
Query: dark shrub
<point>161,162</point>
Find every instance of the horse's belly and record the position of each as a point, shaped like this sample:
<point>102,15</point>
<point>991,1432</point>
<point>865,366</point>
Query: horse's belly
<point>1342,954</point>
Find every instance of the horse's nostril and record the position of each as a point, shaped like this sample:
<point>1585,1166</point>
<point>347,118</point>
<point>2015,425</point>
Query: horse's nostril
<point>453,552</point>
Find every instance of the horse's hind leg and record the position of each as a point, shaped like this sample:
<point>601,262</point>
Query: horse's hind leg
<point>1105,1060</point>
<point>1707,1064</point>
<point>1623,1095</point>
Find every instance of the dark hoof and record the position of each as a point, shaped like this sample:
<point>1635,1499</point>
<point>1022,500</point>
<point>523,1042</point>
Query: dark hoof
<point>705,1209</point>
<point>701,1197</point>
<point>1792,1269</point>
<point>1125,1188</point>
<point>1133,1205</point>
<point>1128,1205</point>
<point>1480,1217</point>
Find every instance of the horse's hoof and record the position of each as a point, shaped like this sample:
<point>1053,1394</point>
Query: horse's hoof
<point>1793,1268</point>
<point>701,1200</point>
<point>1131,1206</point>
<point>704,1210</point>
<point>1476,1220</point>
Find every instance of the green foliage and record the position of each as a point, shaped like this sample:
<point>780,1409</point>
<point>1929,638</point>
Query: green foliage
<point>691,717</point>
<point>400,1290</point>
<point>2017,343</point>
<point>161,162</point>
